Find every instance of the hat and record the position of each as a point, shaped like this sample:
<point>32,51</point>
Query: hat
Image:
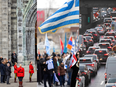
<point>58,55</point>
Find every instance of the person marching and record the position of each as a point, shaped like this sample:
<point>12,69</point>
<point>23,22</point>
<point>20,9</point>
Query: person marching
<point>31,70</point>
<point>15,71</point>
<point>20,74</point>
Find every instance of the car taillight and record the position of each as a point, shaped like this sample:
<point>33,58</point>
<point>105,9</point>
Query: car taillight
<point>95,34</point>
<point>85,41</point>
<point>90,40</point>
<point>109,47</point>
<point>106,54</point>
<point>111,44</point>
<point>83,73</point>
<point>88,52</point>
<point>105,75</point>
<point>92,37</point>
<point>112,40</point>
<point>115,36</point>
<point>100,51</point>
<point>90,65</point>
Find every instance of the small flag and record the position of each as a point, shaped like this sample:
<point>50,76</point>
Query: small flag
<point>55,77</point>
<point>67,15</point>
<point>47,45</point>
<point>73,60</point>
<point>38,51</point>
<point>65,44</point>
<point>69,46</point>
<point>96,14</point>
<point>61,46</point>
<point>53,49</point>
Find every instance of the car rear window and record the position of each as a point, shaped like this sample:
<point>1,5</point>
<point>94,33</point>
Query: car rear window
<point>88,38</point>
<point>110,34</point>
<point>104,45</point>
<point>112,81</point>
<point>108,38</point>
<point>106,41</point>
<point>100,52</point>
<point>94,57</point>
<point>92,49</point>
<point>85,61</point>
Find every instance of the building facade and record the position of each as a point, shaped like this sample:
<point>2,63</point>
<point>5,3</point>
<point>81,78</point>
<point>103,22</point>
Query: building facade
<point>17,29</point>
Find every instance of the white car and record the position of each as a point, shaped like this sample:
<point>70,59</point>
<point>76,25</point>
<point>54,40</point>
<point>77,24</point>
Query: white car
<point>91,64</point>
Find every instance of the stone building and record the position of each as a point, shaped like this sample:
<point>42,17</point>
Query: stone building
<point>17,28</point>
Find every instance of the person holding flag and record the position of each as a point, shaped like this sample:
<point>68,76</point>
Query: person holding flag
<point>48,70</point>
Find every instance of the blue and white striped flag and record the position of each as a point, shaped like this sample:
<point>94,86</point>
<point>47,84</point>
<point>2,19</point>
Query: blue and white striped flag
<point>67,15</point>
<point>73,46</point>
<point>47,45</point>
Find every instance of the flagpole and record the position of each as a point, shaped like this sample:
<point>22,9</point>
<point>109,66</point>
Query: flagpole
<point>60,44</point>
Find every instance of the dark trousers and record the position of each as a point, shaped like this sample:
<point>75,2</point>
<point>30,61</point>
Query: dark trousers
<point>20,79</point>
<point>8,77</point>
<point>62,80</point>
<point>47,76</point>
<point>69,77</point>
<point>2,78</point>
<point>74,75</point>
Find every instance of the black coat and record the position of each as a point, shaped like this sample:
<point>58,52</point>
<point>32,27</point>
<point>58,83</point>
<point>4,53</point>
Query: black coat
<point>1,60</point>
<point>55,67</point>
<point>14,59</point>
<point>8,71</point>
<point>39,70</point>
<point>2,69</point>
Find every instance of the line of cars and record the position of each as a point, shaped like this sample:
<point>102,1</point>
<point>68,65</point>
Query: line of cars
<point>99,42</point>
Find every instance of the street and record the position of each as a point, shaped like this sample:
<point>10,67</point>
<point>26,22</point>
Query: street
<point>98,80</point>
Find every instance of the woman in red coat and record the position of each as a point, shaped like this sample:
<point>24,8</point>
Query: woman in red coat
<point>31,70</point>
<point>20,74</point>
<point>15,71</point>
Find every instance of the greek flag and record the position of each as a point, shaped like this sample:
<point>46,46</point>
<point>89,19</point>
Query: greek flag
<point>73,47</point>
<point>67,15</point>
<point>47,45</point>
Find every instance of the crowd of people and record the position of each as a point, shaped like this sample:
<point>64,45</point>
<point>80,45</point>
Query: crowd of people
<point>61,68</point>
<point>50,68</point>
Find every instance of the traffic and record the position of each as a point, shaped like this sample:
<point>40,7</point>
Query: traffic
<point>97,60</point>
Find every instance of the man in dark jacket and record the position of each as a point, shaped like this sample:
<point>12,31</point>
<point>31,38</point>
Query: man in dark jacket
<point>1,59</point>
<point>3,72</point>
<point>14,58</point>
<point>8,72</point>
<point>47,73</point>
<point>9,61</point>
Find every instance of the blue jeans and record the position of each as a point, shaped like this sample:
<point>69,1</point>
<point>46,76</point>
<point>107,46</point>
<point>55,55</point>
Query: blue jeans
<point>69,77</point>
<point>62,80</point>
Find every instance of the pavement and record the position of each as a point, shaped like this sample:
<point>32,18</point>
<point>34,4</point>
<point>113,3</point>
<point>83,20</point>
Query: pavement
<point>99,79</point>
<point>26,82</point>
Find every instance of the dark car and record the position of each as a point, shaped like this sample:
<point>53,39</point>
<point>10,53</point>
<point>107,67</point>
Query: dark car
<point>111,34</point>
<point>112,38</point>
<point>95,59</point>
<point>105,45</point>
<point>88,34</point>
<point>102,55</point>
<point>85,72</point>
<point>86,42</point>
<point>107,40</point>
<point>95,35</point>
<point>90,40</point>
<point>100,31</point>
<point>91,49</point>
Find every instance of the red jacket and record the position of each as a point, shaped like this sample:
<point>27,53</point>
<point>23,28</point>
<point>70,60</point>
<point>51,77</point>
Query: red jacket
<point>20,72</point>
<point>31,69</point>
<point>15,69</point>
